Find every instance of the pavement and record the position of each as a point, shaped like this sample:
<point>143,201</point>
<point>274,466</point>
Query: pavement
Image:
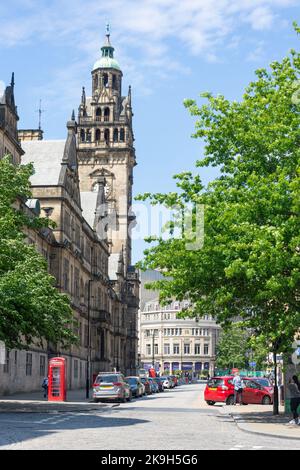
<point>259,419</point>
<point>34,402</point>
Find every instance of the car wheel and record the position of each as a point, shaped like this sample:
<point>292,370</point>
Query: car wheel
<point>130,397</point>
<point>230,400</point>
<point>123,400</point>
<point>96,400</point>
<point>266,400</point>
<point>210,403</point>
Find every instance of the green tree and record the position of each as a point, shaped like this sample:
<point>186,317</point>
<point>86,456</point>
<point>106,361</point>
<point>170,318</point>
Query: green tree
<point>249,265</point>
<point>31,308</point>
<point>237,348</point>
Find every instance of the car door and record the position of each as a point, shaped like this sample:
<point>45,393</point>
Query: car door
<point>247,392</point>
<point>252,393</point>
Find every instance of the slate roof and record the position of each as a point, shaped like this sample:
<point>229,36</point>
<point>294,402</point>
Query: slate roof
<point>46,156</point>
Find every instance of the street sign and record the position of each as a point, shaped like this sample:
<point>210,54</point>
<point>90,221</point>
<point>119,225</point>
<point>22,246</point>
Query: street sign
<point>252,364</point>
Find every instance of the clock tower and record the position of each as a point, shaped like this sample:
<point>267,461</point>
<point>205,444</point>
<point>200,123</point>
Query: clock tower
<point>106,147</point>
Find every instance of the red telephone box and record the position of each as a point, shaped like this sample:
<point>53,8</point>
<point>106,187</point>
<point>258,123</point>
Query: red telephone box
<point>57,379</point>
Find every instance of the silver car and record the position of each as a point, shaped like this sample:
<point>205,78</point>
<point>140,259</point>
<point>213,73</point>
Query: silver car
<point>111,386</point>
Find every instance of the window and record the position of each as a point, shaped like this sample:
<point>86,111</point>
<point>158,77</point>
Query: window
<point>82,135</point>
<point>6,365</point>
<point>98,114</point>
<point>96,81</point>
<point>166,348</point>
<point>88,136</point>
<point>105,79</point>
<point>197,349</point>
<point>187,349</point>
<point>28,364</point>
<point>42,366</point>
<point>75,369</point>
<point>66,275</point>
<point>98,135</point>
<point>122,135</point>
<point>156,349</point>
<point>116,135</point>
<point>148,349</point>
<point>114,82</point>
<point>176,349</point>
<point>106,114</point>
<point>206,349</point>
<point>106,136</point>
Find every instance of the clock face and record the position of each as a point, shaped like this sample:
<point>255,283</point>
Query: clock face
<point>107,189</point>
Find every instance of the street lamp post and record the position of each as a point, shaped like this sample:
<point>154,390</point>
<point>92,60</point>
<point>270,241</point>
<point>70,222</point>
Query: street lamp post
<point>87,386</point>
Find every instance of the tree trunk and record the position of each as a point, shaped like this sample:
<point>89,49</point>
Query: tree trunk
<point>275,400</point>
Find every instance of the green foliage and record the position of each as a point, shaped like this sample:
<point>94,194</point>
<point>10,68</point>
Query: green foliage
<point>237,347</point>
<point>249,266</point>
<point>31,308</point>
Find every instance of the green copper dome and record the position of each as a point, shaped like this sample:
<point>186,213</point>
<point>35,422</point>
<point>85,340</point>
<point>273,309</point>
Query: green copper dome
<point>107,60</point>
<point>106,63</point>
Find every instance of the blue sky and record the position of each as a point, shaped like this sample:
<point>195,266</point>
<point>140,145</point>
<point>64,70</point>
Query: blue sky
<point>168,51</point>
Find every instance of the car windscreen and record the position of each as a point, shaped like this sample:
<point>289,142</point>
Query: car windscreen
<point>263,382</point>
<point>213,383</point>
<point>107,379</point>
<point>132,380</point>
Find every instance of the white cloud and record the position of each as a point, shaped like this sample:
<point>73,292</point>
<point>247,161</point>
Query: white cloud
<point>161,35</point>
<point>2,87</point>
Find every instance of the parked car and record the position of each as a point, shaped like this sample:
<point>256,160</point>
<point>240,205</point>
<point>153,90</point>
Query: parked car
<point>160,384</point>
<point>221,389</point>
<point>256,393</point>
<point>266,383</point>
<point>136,386</point>
<point>167,382</point>
<point>146,383</point>
<point>153,385</point>
<point>174,379</point>
<point>111,386</point>
<point>142,373</point>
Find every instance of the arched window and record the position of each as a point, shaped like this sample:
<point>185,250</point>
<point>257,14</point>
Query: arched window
<point>98,114</point>
<point>82,135</point>
<point>122,135</point>
<point>98,135</point>
<point>88,136</point>
<point>96,81</point>
<point>106,114</point>
<point>116,135</point>
<point>106,136</point>
<point>105,79</point>
<point>114,82</point>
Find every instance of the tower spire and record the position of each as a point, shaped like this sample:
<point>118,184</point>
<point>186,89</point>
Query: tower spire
<point>12,83</point>
<point>107,49</point>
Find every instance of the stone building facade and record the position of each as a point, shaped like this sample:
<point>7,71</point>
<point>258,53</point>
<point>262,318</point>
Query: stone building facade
<point>9,142</point>
<point>173,343</point>
<point>84,253</point>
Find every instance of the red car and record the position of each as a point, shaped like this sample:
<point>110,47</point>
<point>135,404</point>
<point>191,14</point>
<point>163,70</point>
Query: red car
<point>220,389</point>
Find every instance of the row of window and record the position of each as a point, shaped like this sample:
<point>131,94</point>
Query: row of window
<point>178,332</point>
<point>11,359</point>
<point>118,135</point>
<point>186,350</point>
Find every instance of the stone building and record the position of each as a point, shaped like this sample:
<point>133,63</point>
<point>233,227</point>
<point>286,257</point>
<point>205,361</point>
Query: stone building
<point>9,142</point>
<point>170,342</point>
<point>78,183</point>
